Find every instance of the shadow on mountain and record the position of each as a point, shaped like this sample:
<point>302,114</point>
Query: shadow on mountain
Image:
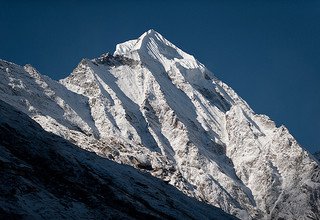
<point>187,114</point>
<point>27,89</point>
<point>45,176</point>
<point>133,113</point>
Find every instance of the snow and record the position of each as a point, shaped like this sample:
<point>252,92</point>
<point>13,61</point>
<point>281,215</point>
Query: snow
<point>44,176</point>
<point>153,106</point>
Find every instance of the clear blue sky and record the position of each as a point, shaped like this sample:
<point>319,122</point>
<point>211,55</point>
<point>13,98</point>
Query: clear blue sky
<point>268,51</point>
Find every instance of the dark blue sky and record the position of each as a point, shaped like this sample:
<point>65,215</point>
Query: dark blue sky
<point>268,51</point>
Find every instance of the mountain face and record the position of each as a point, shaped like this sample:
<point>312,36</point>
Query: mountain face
<point>154,107</point>
<point>43,176</point>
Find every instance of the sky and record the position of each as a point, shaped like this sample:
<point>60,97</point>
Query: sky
<point>267,51</point>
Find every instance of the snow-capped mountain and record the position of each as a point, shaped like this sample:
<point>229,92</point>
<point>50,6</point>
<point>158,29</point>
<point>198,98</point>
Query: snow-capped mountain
<point>155,107</point>
<point>43,176</point>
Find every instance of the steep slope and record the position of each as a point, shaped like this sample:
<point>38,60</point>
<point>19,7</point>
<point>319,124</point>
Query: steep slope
<point>43,176</point>
<point>145,106</point>
<point>170,103</point>
<point>155,107</point>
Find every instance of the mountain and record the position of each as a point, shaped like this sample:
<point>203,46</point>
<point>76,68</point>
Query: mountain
<point>44,176</point>
<point>154,107</point>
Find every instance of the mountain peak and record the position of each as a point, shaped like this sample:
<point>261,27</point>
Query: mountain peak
<point>137,44</point>
<point>156,108</point>
<point>150,42</point>
<point>151,45</point>
<point>150,33</point>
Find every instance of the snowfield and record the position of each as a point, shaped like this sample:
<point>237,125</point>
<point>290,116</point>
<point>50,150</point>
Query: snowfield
<point>154,107</point>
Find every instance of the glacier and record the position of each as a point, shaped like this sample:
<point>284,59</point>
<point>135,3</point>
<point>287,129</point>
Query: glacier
<point>154,107</point>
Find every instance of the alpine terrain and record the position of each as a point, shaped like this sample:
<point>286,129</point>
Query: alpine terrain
<point>44,176</point>
<point>154,107</point>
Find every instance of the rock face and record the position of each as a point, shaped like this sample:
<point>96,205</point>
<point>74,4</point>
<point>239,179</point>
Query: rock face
<point>154,107</point>
<point>43,176</point>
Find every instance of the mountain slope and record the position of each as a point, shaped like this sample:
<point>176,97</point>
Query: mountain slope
<point>155,107</point>
<point>44,176</point>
